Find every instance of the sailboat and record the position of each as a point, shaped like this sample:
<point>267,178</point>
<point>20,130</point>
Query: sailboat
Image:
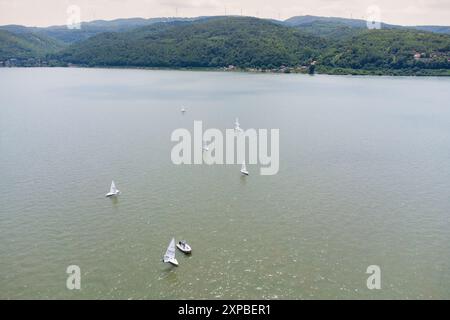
<point>169,257</point>
<point>237,126</point>
<point>244,169</point>
<point>205,146</point>
<point>183,110</point>
<point>113,191</point>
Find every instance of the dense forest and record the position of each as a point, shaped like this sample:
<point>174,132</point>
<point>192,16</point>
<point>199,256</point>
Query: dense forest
<point>390,52</point>
<point>243,42</point>
<point>300,44</point>
<point>26,45</point>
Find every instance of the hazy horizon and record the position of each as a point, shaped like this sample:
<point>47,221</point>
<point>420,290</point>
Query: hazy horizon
<point>231,15</point>
<point>54,12</point>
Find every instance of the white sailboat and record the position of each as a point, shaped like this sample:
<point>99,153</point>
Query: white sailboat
<point>244,169</point>
<point>169,256</point>
<point>113,191</point>
<point>237,126</point>
<point>183,109</point>
<point>205,146</point>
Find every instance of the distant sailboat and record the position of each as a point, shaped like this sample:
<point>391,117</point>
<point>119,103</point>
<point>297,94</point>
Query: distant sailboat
<point>113,191</point>
<point>205,146</point>
<point>169,257</point>
<point>237,126</point>
<point>183,110</point>
<point>244,169</point>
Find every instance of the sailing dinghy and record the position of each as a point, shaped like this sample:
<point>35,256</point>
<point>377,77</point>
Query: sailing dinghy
<point>205,146</point>
<point>113,191</point>
<point>237,126</point>
<point>169,257</point>
<point>244,169</point>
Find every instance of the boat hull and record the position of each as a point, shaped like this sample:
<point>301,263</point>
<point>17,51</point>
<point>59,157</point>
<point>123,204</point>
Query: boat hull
<point>112,194</point>
<point>245,173</point>
<point>186,249</point>
<point>173,262</point>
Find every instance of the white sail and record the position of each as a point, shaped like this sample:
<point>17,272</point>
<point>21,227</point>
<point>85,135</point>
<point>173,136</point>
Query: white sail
<point>244,169</point>
<point>237,126</point>
<point>170,253</point>
<point>113,189</point>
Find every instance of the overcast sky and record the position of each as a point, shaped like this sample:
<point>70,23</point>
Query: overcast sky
<point>54,12</point>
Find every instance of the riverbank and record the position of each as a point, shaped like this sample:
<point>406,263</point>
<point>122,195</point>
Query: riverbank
<point>284,70</point>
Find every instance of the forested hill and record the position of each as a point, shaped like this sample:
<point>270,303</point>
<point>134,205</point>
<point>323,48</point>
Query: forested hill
<point>218,42</point>
<point>397,52</point>
<point>331,46</point>
<point>337,27</point>
<point>67,35</point>
<point>256,43</point>
<point>26,45</point>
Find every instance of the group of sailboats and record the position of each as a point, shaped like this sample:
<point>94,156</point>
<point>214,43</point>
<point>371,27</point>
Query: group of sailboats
<point>183,246</point>
<point>169,256</point>
<point>238,129</point>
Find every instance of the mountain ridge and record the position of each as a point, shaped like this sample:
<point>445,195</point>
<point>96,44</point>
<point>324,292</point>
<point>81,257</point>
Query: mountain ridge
<point>90,28</point>
<point>335,45</point>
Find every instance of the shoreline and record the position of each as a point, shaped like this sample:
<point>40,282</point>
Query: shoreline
<point>319,71</point>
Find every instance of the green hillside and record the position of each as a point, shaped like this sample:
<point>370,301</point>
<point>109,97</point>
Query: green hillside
<point>330,30</point>
<point>338,46</point>
<point>215,42</point>
<point>89,29</point>
<point>327,26</point>
<point>390,52</point>
<point>26,45</point>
